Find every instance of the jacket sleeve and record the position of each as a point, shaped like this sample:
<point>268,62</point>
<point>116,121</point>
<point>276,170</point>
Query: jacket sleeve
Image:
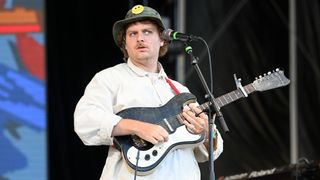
<point>93,116</point>
<point>201,152</point>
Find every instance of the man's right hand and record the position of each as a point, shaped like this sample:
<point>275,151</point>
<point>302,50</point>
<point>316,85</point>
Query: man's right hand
<point>150,132</point>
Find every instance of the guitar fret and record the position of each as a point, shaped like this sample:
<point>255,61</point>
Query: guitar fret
<point>224,97</point>
<point>234,96</point>
<point>221,103</point>
<point>230,96</point>
<point>208,105</point>
<point>204,106</point>
<point>238,94</point>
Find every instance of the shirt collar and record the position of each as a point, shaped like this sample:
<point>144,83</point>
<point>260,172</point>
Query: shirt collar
<point>141,72</point>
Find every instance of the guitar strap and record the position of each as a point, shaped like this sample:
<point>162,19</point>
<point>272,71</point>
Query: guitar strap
<point>176,91</point>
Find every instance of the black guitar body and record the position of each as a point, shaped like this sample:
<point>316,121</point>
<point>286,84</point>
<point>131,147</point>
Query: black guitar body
<point>154,115</point>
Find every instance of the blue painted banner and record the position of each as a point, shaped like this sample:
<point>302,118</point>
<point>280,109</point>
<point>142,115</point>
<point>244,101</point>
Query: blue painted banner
<point>22,91</point>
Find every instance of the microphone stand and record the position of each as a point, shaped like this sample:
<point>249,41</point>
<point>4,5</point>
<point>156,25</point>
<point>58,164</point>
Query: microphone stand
<point>216,108</point>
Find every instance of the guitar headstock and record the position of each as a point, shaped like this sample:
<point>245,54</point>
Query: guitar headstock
<point>271,80</point>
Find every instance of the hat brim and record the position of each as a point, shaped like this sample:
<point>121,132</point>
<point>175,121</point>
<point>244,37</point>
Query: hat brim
<point>119,25</point>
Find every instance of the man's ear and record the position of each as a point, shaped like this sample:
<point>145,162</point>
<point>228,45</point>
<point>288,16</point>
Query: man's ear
<point>162,42</point>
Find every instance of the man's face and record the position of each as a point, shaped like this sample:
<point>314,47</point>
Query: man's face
<point>143,41</point>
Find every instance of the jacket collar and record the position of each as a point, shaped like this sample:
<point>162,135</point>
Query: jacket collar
<point>140,72</point>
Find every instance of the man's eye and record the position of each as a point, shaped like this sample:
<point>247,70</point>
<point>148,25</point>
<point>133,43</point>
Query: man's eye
<point>131,34</point>
<point>146,32</point>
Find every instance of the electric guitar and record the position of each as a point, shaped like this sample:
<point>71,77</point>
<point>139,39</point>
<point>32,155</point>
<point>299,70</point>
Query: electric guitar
<point>143,157</point>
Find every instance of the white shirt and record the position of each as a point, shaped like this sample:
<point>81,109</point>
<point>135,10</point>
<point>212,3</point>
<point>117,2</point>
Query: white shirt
<point>121,87</point>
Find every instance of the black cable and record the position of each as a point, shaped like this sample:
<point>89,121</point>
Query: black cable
<point>136,168</point>
<point>210,65</point>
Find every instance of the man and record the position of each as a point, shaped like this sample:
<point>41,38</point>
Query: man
<point>141,82</point>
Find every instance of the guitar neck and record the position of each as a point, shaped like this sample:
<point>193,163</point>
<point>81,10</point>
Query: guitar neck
<point>229,97</point>
<point>221,101</point>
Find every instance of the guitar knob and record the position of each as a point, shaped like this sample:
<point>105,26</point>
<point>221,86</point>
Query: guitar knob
<point>147,157</point>
<point>154,152</point>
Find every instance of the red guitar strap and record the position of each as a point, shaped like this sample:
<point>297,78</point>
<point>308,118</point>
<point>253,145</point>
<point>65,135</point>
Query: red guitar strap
<point>172,86</point>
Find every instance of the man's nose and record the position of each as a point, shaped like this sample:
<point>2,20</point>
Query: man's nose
<point>140,37</point>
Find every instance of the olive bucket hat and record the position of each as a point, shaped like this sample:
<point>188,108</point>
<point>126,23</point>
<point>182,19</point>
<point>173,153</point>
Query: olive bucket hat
<point>137,13</point>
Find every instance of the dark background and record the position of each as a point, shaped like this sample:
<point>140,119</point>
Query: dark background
<point>246,37</point>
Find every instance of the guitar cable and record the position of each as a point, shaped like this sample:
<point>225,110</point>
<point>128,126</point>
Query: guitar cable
<point>136,168</point>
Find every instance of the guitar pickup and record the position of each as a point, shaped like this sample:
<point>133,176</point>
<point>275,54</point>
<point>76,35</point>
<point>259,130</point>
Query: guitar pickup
<point>168,125</point>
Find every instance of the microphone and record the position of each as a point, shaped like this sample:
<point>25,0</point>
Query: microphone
<point>169,34</point>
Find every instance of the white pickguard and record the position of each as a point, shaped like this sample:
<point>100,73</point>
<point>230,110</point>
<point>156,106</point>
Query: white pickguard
<point>179,139</point>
